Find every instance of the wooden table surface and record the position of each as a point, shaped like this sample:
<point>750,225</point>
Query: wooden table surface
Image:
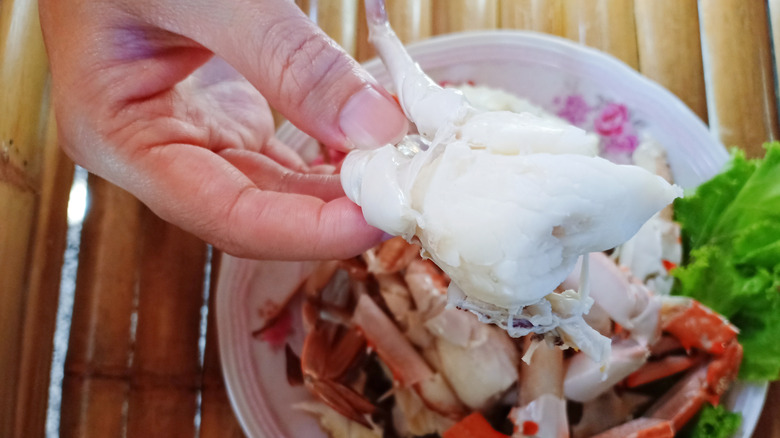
<point>133,365</point>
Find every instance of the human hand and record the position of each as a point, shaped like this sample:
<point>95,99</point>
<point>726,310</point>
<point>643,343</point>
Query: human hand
<point>142,101</point>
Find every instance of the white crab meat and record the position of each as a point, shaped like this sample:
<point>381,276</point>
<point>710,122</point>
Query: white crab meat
<point>336,424</point>
<point>547,413</point>
<point>504,203</point>
<point>508,229</point>
<point>585,380</point>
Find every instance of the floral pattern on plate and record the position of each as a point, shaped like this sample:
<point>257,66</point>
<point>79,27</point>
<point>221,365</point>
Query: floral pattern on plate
<point>612,121</point>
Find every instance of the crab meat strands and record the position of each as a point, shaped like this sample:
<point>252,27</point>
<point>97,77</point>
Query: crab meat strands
<point>408,367</point>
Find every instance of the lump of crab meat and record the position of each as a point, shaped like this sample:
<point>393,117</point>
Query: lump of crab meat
<point>507,228</point>
<point>504,203</point>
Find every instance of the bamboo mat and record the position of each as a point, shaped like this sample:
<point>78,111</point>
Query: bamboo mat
<point>134,365</point>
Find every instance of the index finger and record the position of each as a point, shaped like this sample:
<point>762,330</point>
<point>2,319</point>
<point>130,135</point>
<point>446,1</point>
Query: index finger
<point>206,195</point>
<point>302,73</point>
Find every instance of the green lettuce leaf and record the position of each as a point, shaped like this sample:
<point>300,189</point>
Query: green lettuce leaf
<point>731,236</point>
<point>713,422</point>
<point>702,212</point>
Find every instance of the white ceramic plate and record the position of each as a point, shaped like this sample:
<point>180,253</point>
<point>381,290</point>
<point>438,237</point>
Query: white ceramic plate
<point>589,88</point>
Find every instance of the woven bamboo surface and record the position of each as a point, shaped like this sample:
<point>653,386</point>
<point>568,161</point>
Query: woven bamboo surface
<point>133,366</point>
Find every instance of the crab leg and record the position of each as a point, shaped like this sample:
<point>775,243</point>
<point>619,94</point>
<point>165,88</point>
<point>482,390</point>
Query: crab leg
<point>407,366</point>
<point>609,410</point>
<point>629,304</point>
<point>705,384</point>
<point>391,256</point>
<point>641,428</point>
<point>542,409</point>
<point>478,361</point>
<point>697,326</point>
<point>659,369</point>
<point>425,103</point>
<point>329,351</point>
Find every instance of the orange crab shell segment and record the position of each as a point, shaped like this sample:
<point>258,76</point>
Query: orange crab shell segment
<point>697,326</point>
<point>724,369</point>
<point>655,370</point>
<point>705,384</point>
<point>330,350</point>
<point>641,428</point>
<point>391,256</point>
<point>473,425</point>
<point>685,399</point>
<point>343,400</point>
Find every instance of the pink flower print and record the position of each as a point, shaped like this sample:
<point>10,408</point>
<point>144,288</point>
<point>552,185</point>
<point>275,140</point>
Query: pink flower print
<point>617,144</point>
<point>575,110</point>
<point>612,120</point>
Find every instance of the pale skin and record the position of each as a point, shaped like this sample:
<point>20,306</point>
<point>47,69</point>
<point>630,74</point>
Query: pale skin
<point>169,99</point>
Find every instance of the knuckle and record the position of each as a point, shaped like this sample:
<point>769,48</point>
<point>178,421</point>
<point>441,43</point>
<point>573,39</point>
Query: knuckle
<point>306,60</point>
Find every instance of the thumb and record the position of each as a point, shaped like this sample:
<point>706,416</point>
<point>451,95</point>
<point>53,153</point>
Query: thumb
<point>302,73</point>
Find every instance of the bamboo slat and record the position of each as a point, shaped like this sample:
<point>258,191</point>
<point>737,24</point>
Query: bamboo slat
<point>607,25</point>
<point>165,374</point>
<point>217,417</point>
<point>537,15</point>
<point>411,20</point>
<point>738,58</point>
<point>97,412</point>
<point>23,110</point>
<point>462,15</point>
<point>773,7</point>
<point>304,5</point>
<point>14,243</point>
<point>670,49</point>
<point>95,385</point>
<point>363,50</point>
<point>338,18</point>
<point>23,77</point>
<point>43,290</point>
<point>128,379</point>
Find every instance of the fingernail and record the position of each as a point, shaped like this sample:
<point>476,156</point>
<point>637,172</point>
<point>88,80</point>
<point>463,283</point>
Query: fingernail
<point>370,119</point>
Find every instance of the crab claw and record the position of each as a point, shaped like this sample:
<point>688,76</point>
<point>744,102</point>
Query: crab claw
<point>697,326</point>
<point>408,367</point>
<point>329,352</point>
<point>705,384</point>
<point>343,400</point>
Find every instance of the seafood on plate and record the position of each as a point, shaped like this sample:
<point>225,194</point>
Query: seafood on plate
<point>513,219</point>
<point>385,356</point>
<point>503,202</point>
